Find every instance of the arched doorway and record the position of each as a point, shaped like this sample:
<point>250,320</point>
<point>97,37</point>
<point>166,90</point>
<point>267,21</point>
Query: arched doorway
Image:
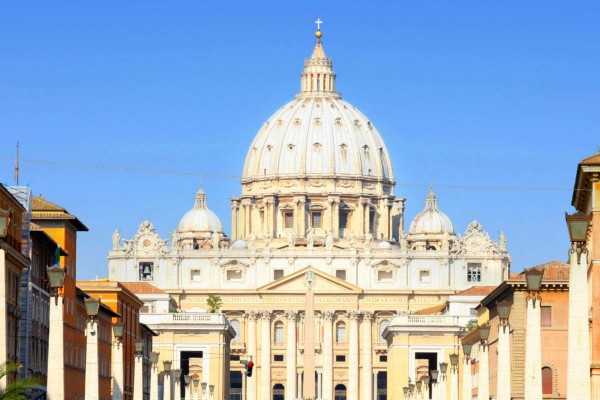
<point>278,392</point>
<point>340,392</point>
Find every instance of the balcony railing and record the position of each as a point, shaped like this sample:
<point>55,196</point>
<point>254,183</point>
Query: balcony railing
<point>183,318</point>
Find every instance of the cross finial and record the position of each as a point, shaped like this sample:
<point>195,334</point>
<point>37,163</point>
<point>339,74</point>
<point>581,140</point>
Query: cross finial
<point>318,22</point>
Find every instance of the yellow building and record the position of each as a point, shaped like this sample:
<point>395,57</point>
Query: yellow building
<point>320,280</point>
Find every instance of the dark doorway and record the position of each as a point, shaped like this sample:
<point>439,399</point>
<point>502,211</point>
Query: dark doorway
<point>278,392</point>
<point>185,367</point>
<point>235,386</point>
<point>340,392</point>
<point>425,362</point>
<point>382,385</point>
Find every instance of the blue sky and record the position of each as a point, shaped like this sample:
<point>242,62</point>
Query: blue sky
<point>465,94</point>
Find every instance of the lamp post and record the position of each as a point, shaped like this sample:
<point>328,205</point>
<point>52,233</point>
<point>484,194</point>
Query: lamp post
<point>467,379</point>
<point>426,382</point>
<point>211,390</point>
<point>405,391</point>
<point>177,382</point>
<point>454,376</point>
<point>196,384</point>
<point>138,373</point>
<point>56,353</point>
<point>187,379</point>
<point>578,358</point>
<point>419,385</point>
<point>154,375</point>
<point>435,392</point>
<point>533,339</point>
<point>117,357</point>
<point>443,382</point>
<point>92,306</point>
<point>204,391</point>
<point>411,389</point>
<point>167,381</point>
<point>484,363</point>
<point>503,385</point>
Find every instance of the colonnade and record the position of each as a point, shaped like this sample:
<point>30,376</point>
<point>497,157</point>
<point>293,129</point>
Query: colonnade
<point>359,335</point>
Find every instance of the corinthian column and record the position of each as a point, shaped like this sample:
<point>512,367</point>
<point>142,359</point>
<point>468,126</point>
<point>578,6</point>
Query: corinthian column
<point>290,387</point>
<point>353,349</point>
<point>251,325</point>
<point>265,352</point>
<point>367,364</point>
<point>327,317</point>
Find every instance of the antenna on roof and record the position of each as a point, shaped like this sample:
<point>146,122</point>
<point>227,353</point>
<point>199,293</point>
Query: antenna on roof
<point>17,165</point>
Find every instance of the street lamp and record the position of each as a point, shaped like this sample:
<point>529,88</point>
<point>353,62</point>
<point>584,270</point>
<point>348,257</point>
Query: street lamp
<point>454,360</point>
<point>443,368</point>
<point>484,333</point>
<point>578,224</point>
<point>56,277</point>
<point>56,375</point>
<point>418,385</point>
<point>578,359</point>
<point>467,349</point>
<point>503,308</point>
<point>167,383</point>
<point>138,372</point>
<point>211,389</point>
<point>154,375</point>
<point>5,216</point>
<point>434,375</point>
<point>118,329</point>
<point>92,306</point>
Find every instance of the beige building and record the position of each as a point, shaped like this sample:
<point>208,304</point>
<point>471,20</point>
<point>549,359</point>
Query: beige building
<point>324,288</point>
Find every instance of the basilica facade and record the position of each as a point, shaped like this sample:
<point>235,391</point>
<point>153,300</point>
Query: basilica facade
<point>325,289</point>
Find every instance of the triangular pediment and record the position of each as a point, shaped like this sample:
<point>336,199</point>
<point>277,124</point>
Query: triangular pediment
<point>321,283</point>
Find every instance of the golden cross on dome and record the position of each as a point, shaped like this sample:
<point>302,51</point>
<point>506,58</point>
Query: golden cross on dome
<point>318,22</point>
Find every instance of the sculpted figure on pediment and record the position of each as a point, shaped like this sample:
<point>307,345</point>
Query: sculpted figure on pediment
<point>116,239</point>
<point>252,240</point>
<point>310,236</point>
<point>329,240</point>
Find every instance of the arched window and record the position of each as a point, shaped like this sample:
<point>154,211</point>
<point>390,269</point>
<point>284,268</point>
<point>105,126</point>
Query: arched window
<point>382,325</point>
<point>340,392</point>
<point>278,392</point>
<point>235,324</point>
<point>340,332</point>
<point>278,333</point>
<point>546,380</point>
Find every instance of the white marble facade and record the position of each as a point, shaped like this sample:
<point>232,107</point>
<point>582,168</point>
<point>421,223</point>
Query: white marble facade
<point>317,195</point>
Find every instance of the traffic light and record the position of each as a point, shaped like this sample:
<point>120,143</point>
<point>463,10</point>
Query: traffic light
<point>248,365</point>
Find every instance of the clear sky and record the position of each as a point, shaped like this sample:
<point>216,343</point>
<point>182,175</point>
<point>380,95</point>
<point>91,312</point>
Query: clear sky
<point>465,94</point>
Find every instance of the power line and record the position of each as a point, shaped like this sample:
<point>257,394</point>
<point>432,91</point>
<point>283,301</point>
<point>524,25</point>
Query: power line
<point>237,177</point>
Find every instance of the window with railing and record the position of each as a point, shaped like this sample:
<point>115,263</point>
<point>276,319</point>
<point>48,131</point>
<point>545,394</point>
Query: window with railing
<point>278,332</point>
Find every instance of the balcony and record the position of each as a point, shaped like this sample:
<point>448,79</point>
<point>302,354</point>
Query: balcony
<point>425,323</point>
<point>186,321</point>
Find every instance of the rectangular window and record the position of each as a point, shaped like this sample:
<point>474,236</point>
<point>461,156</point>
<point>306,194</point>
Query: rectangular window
<point>546,316</point>
<point>473,312</point>
<point>234,358</point>
<point>340,274</point>
<point>382,359</point>
<point>195,275</point>
<point>340,358</point>
<point>385,276</point>
<point>277,274</point>
<point>288,219</point>
<point>424,276</point>
<point>278,357</point>
<point>233,275</point>
<point>474,272</point>
<point>315,219</point>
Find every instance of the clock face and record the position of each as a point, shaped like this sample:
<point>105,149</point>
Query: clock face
<point>475,243</point>
<point>144,242</point>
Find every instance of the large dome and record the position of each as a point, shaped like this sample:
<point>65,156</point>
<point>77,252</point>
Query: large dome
<point>431,220</point>
<point>318,135</point>
<point>200,219</point>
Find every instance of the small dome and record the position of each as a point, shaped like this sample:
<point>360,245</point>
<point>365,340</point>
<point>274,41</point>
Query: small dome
<point>200,219</point>
<point>384,245</point>
<point>431,220</point>
<point>239,244</point>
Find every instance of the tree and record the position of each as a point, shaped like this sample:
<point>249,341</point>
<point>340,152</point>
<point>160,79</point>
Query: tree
<point>214,303</point>
<point>472,324</point>
<point>16,390</point>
